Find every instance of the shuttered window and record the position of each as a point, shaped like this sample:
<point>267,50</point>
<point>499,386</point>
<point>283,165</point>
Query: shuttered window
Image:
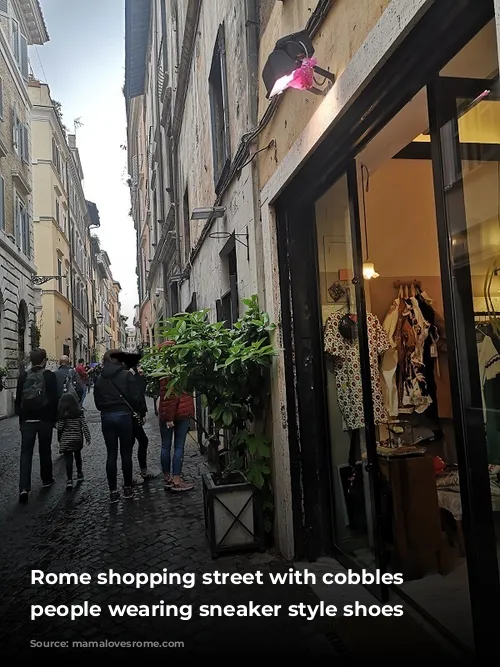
<point>16,41</point>
<point>4,6</point>
<point>2,203</point>
<point>25,142</point>
<point>1,98</point>
<point>23,57</point>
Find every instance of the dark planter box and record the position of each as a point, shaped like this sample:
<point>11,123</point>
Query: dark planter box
<point>233,517</point>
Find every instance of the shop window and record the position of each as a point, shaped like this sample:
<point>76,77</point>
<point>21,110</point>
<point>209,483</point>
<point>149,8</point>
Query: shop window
<point>219,110</point>
<point>227,307</point>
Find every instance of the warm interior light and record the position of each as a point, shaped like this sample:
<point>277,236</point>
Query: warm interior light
<point>369,271</point>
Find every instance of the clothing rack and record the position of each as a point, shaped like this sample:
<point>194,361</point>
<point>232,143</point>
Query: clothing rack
<point>407,283</point>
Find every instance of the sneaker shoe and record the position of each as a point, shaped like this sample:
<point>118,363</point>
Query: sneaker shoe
<point>147,475</point>
<point>137,481</point>
<point>79,476</point>
<point>114,497</point>
<point>167,483</point>
<point>69,485</point>
<point>46,485</point>
<point>23,497</point>
<point>128,492</point>
<point>181,486</point>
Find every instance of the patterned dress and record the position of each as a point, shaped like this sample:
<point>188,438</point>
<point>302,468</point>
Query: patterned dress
<point>348,370</point>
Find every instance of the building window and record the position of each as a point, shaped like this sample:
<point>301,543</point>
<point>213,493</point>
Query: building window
<point>228,305</point>
<point>187,226</point>
<point>1,98</point>
<point>58,212</point>
<point>2,203</point>
<point>22,226</point>
<point>59,273</point>
<point>19,45</point>
<point>20,137</point>
<point>219,111</point>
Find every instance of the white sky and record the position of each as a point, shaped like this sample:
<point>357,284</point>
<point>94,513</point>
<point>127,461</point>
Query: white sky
<point>84,66</point>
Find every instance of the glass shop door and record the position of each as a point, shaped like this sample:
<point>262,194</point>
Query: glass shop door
<point>465,138</point>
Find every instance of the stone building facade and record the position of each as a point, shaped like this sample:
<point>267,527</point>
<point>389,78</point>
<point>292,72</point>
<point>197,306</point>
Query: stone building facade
<point>21,24</point>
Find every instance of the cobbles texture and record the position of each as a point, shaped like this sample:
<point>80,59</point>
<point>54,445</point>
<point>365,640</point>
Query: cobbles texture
<point>80,531</point>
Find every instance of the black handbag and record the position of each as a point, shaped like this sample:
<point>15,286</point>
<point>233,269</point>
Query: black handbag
<point>135,416</point>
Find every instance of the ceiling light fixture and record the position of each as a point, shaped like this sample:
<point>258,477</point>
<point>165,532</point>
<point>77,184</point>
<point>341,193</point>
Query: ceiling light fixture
<point>291,65</point>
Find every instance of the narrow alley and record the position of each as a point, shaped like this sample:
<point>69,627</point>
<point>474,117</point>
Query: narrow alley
<point>80,531</point>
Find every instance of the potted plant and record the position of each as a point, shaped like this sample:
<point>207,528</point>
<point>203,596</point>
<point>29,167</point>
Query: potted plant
<point>230,370</point>
<point>3,374</point>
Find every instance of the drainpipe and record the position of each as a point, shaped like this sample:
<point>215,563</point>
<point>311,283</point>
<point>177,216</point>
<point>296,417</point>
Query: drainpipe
<point>252,25</point>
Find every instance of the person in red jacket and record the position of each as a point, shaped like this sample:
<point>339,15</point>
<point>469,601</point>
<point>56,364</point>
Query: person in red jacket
<point>174,413</point>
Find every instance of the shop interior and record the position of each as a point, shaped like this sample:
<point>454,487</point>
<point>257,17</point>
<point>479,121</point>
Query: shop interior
<point>420,480</point>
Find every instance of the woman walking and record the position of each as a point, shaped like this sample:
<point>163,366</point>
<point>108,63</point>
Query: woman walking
<point>175,413</point>
<point>72,429</point>
<point>120,400</point>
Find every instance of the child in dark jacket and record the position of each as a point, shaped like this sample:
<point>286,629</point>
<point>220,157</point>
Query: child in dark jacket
<point>72,429</point>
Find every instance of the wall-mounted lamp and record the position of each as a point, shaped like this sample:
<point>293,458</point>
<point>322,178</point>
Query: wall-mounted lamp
<point>208,213</point>
<point>237,237</point>
<point>99,317</point>
<point>291,65</point>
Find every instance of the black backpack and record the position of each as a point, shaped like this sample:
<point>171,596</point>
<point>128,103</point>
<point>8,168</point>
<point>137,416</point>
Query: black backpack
<point>34,395</point>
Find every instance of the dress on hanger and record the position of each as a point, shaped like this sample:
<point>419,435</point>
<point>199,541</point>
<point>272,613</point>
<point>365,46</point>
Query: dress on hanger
<point>348,370</point>
<point>403,366</point>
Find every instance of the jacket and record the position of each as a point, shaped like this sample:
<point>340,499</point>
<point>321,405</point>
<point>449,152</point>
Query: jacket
<point>174,408</point>
<point>82,372</point>
<point>49,413</point>
<point>71,433</point>
<point>61,375</point>
<point>107,397</point>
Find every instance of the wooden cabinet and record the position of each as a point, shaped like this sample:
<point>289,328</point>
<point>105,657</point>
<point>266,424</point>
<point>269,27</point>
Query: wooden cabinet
<point>413,506</point>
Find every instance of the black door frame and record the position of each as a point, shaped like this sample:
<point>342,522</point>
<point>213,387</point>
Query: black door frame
<point>440,33</point>
<point>480,540</point>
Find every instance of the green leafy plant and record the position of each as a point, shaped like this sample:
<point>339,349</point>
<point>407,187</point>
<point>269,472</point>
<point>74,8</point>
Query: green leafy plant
<point>230,370</point>
<point>3,371</point>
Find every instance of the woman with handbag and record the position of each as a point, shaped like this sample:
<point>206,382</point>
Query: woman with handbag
<point>119,399</point>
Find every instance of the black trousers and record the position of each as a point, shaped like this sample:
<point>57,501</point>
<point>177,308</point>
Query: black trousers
<point>68,459</point>
<point>142,448</point>
<point>29,433</point>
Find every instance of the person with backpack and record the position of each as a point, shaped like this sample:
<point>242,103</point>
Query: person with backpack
<point>120,401</point>
<point>36,406</point>
<point>68,379</point>
<point>72,429</point>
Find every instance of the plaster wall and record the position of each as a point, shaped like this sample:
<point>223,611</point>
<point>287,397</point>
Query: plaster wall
<point>342,33</point>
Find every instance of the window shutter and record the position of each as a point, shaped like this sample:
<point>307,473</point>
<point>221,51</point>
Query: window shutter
<point>218,310</point>
<point>225,95</point>
<point>25,143</point>
<point>2,203</point>
<point>26,233</point>
<point>4,6</point>
<point>23,57</point>
<point>1,98</point>
<point>15,129</point>
<point>16,41</point>
<point>17,222</point>
<point>234,299</point>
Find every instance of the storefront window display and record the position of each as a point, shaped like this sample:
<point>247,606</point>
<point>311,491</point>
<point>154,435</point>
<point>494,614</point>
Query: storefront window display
<point>420,444</point>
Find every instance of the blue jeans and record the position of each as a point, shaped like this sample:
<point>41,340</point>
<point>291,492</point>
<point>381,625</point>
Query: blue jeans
<point>179,433</point>
<point>118,430</point>
<point>84,394</point>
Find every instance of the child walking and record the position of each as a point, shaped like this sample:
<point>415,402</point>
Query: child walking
<point>71,430</point>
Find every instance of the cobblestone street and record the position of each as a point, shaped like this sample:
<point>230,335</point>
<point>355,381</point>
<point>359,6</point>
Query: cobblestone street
<point>80,532</point>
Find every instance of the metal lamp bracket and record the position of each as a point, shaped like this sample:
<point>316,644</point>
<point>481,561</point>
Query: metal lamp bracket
<point>41,280</point>
<point>237,237</point>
